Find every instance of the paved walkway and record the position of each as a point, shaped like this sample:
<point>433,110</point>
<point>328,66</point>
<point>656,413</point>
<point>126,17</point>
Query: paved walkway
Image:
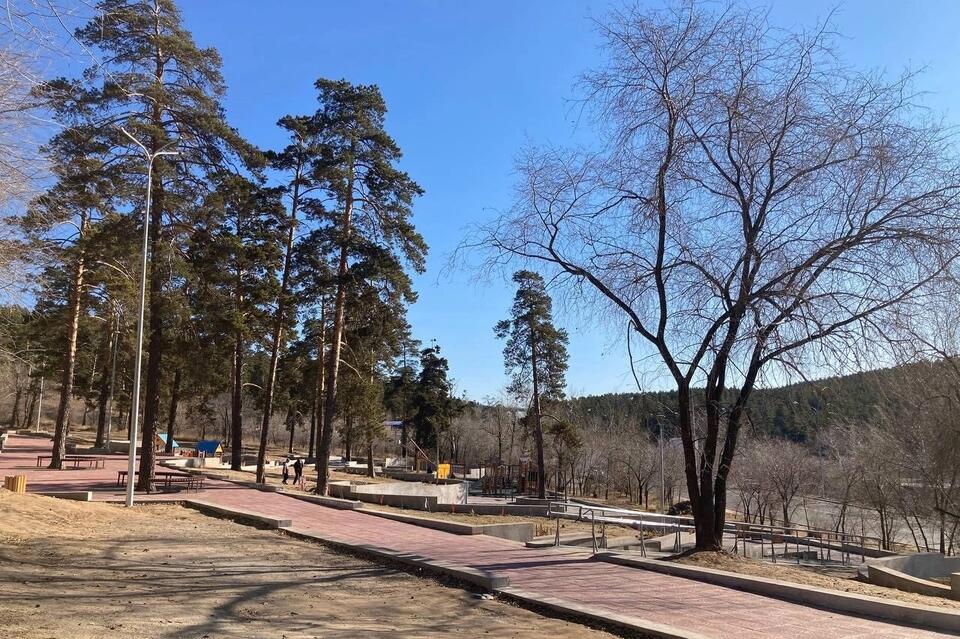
<point>566,574</point>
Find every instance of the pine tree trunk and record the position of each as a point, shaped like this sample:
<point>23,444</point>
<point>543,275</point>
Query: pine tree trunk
<point>15,415</point>
<point>333,367</point>
<point>103,392</point>
<point>151,408</point>
<point>292,425</point>
<point>370,472</point>
<point>34,398</point>
<point>538,422</point>
<point>70,355</point>
<point>236,399</point>
<point>318,399</point>
<point>172,418</point>
<point>313,428</point>
<point>348,440</point>
<point>278,322</point>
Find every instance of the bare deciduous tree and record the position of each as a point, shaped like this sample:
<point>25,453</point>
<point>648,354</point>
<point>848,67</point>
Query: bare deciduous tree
<point>755,208</point>
<point>30,32</point>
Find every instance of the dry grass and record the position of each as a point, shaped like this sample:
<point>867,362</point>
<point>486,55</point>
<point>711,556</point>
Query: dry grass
<point>86,570</point>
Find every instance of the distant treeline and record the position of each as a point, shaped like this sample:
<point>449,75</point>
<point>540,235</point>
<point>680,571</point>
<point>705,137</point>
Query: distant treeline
<point>793,412</point>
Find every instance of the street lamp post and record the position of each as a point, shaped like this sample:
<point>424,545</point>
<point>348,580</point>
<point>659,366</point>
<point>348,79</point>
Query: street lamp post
<point>138,354</point>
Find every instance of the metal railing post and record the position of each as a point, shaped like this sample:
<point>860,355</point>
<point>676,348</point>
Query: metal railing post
<point>593,530</point>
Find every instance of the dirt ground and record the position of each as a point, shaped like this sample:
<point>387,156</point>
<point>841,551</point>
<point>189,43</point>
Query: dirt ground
<point>85,570</point>
<point>833,579</point>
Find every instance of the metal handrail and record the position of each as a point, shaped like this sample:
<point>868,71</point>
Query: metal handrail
<point>810,537</point>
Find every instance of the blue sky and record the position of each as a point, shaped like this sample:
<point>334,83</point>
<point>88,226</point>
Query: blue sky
<point>467,85</point>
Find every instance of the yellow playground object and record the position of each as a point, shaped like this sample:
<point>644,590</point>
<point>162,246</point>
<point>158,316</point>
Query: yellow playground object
<point>443,471</point>
<point>15,483</point>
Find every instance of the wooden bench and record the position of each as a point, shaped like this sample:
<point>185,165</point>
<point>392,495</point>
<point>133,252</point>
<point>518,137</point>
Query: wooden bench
<point>166,479</point>
<point>75,461</point>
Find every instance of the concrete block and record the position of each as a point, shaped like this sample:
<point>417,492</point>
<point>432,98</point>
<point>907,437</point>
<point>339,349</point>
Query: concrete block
<point>522,531</point>
<point>329,502</point>
<point>239,513</point>
<point>890,578</point>
<point>80,495</point>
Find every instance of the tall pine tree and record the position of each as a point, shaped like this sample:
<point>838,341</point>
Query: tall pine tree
<point>535,354</point>
<point>235,254</point>
<point>370,203</point>
<point>158,86</point>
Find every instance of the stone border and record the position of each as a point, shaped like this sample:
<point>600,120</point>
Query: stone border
<point>329,502</point>
<point>486,580</point>
<point>75,495</point>
<point>249,515</point>
<point>844,602</point>
<point>605,618</point>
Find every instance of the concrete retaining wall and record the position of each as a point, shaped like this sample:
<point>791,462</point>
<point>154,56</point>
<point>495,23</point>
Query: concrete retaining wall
<point>922,565</point>
<point>519,531</point>
<point>403,494</point>
<point>882,576</point>
<point>912,573</point>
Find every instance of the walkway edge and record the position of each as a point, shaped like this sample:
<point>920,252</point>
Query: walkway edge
<point>604,617</point>
<point>266,520</point>
<point>844,602</point>
<point>486,580</point>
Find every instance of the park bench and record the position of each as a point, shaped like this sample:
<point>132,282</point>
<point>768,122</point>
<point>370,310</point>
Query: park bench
<point>167,479</point>
<point>74,460</point>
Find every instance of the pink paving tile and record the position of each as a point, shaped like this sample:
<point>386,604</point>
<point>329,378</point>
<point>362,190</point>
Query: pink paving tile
<point>711,610</point>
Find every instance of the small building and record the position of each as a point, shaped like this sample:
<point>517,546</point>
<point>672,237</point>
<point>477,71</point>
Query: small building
<point>209,448</point>
<point>160,442</point>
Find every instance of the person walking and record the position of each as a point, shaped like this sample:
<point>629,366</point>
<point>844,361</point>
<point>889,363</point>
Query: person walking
<point>286,471</point>
<point>298,473</point>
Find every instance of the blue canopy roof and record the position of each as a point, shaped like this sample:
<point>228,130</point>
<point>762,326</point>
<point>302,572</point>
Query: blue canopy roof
<point>208,446</point>
<point>163,438</point>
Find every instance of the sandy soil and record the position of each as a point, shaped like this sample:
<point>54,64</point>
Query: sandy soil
<point>161,571</point>
<point>832,579</point>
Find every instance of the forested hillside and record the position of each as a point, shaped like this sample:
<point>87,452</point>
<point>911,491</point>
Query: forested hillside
<point>795,411</point>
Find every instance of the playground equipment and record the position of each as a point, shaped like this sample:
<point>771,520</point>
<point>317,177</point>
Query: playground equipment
<point>508,480</point>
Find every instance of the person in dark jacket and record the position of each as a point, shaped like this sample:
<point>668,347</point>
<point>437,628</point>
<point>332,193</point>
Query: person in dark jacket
<point>286,472</point>
<point>297,471</point>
